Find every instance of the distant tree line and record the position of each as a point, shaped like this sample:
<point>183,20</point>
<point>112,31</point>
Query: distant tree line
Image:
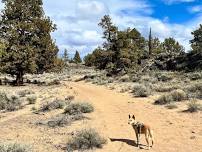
<point>124,50</point>
<point>76,59</point>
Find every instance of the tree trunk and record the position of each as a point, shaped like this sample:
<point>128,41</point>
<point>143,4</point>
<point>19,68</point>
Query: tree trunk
<point>19,79</point>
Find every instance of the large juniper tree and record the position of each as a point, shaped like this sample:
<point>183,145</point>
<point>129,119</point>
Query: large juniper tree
<point>26,33</point>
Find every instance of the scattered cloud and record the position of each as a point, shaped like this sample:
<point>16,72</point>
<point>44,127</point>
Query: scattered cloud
<point>77,22</point>
<point>196,9</point>
<point>169,2</point>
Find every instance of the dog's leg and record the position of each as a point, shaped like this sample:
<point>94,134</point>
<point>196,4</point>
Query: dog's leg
<point>138,138</point>
<point>151,136</point>
<point>147,139</point>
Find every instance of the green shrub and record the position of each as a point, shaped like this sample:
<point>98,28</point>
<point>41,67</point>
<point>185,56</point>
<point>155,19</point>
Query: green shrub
<point>11,103</point>
<point>86,139</point>
<point>164,77</point>
<point>54,82</point>
<point>14,147</point>
<point>3,100</point>
<point>194,106</point>
<point>165,88</point>
<point>140,90</point>
<point>56,104</point>
<point>32,99</point>
<point>69,98</point>
<point>195,76</point>
<point>164,99</point>
<point>63,120</point>
<point>77,108</point>
<point>195,90</point>
<point>178,95</point>
<point>23,93</point>
<point>124,78</point>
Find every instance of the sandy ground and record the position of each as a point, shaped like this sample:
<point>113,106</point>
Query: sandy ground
<point>174,130</point>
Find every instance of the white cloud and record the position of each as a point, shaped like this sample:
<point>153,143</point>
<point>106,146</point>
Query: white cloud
<point>196,9</point>
<point>177,1</point>
<point>77,22</point>
<point>1,6</point>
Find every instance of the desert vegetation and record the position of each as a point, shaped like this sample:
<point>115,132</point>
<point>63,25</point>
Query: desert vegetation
<point>48,100</point>
<point>86,139</point>
<point>14,147</point>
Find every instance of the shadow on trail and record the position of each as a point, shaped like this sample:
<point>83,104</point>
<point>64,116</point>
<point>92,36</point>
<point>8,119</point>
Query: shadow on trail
<point>127,141</point>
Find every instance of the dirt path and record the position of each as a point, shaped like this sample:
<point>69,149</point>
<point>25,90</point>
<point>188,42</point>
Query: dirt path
<point>174,131</point>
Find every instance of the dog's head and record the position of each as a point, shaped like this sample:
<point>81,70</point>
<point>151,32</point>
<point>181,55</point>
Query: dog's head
<point>131,120</point>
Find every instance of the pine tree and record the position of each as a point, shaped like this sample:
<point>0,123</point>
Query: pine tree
<point>196,42</point>
<point>110,32</point>
<point>150,43</point>
<point>65,56</point>
<point>26,33</point>
<point>77,58</point>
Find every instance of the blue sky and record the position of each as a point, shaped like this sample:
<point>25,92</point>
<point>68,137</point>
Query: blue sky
<point>77,20</point>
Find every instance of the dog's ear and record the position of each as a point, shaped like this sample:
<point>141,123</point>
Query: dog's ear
<point>129,116</point>
<point>133,117</point>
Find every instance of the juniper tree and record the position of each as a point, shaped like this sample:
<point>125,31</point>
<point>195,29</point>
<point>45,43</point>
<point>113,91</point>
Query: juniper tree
<point>65,56</point>
<point>77,58</point>
<point>121,50</point>
<point>196,42</point>
<point>172,48</point>
<point>110,32</point>
<point>26,33</point>
<point>150,43</point>
<point>157,46</point>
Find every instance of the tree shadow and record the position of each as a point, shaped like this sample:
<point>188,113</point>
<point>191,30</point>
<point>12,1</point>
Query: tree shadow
<point>127,141</point>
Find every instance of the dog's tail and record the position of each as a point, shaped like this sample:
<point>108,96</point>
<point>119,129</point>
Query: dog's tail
<point>151,134</point>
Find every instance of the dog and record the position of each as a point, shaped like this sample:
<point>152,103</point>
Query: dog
<point>141,128</point>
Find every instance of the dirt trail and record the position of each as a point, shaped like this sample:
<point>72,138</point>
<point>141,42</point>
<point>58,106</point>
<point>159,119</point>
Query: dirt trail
<point>173,131</point>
